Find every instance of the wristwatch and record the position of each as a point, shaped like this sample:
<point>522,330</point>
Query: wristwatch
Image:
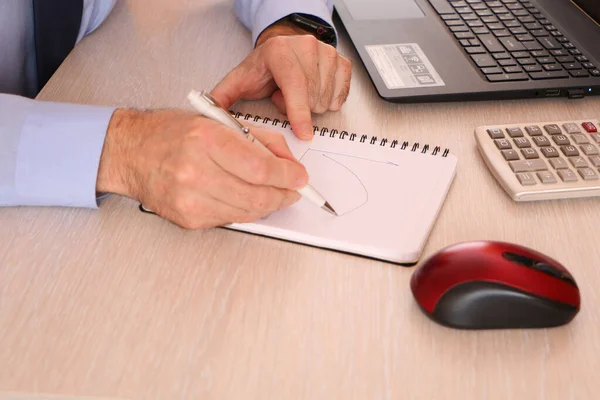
<point>316,26</point>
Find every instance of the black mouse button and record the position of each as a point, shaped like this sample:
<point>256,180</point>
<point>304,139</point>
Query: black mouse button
<point>550,270</point>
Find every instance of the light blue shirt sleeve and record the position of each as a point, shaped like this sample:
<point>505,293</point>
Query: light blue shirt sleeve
<point>50,152</point>
<point>257,15</point>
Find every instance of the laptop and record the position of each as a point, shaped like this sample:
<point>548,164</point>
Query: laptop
<point>456,50</point>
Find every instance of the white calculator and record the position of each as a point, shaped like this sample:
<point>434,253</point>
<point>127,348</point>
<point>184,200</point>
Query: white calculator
<point>543,160</point>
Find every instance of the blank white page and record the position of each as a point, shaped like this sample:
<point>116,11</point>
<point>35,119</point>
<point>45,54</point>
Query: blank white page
<point>387,198</point>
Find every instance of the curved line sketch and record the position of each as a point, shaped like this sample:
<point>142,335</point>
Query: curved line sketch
<point>359,181</point>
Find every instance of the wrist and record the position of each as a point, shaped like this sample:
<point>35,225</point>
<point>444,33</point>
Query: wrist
<point>115,171</point>
<point>280,28</point>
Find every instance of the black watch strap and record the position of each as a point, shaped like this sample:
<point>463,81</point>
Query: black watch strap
<point>316,26</point>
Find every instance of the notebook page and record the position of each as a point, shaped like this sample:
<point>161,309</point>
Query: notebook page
<point>387,199</point>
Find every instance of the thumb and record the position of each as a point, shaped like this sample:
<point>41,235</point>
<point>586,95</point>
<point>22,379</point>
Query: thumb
<point>229,90</point>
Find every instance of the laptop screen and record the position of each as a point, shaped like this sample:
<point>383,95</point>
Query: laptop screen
<point>591,7</point>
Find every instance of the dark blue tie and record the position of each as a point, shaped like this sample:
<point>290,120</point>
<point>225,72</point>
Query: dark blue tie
<point>57,24</point>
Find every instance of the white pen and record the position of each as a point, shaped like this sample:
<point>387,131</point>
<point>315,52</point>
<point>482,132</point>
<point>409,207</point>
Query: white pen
<point>206,105</point>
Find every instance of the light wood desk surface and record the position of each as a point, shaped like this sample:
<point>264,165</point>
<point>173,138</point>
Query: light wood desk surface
<point>116,303</point>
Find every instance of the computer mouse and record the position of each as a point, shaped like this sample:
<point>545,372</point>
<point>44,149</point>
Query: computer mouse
<point>495,285</point>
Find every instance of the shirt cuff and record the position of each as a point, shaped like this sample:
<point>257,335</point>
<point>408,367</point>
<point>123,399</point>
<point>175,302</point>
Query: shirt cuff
<point>272,11</point>
<point>59,154</point>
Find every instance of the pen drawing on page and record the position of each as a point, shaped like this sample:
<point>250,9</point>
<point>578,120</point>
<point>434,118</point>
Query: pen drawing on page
<point>334,175</point>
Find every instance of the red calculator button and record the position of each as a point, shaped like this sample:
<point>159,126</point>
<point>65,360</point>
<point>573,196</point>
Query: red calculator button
<point>589,127</point>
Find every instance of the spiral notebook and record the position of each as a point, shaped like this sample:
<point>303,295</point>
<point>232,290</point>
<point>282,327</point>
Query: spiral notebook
<point>387,193</point>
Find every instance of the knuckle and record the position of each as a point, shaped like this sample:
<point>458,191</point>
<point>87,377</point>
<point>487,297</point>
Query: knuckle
<point>263,201</point>
<point>184,174</point>
<point>259,168</point>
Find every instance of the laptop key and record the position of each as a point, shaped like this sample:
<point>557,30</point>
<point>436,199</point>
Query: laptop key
<point>501,56</point>
<point>552,67</point>
<point>464,35</point>
<point>441,6</point>
<point>539,33</point>
<point>579,73</point>
<point>532,68</point>
<point>559,52</point>
<point>483,60</point>
<point>549,43</point>
<point>491,20</point>
<point>565,59</point>
<point>588,65</point>
<point>549,75</point>
<point>464,42</point>
<point>571,66</point>
<point>520,54</point>
<point>512,70</point>
<point>507,77</point>
<point>512,44</point>
<point>448,17</point>
<point>455,29</point>
<point>491,43</point>
<point>562,39</point>
<point>492,70</point>
<point>533,45</point>
<point>581,58</point>
<point>507,63</point>
<point>545,60</point>
<point>525,38</point>
<point>575,52</point>
<point>475,50</point>
<point>481,31</point>
<point>542,53</point>
<point>501,33</point>
<point>595,72</point>
<point>494,26</point>
<point>526,61</point>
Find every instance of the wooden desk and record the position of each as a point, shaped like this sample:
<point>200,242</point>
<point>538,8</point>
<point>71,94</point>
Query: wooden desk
<point>117,303</point>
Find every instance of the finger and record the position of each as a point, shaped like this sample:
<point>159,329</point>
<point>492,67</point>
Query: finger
<point>289,77</point>
<point>231,88</point>
<point>277,99</point>
<point>254,199</point>
<point>327,68</point>
<point>252,163</point>
<point>343,76</point>
<point>275,142</point>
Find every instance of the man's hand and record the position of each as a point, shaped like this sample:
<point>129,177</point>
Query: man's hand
<point>196,172</point>
<point>300,73</point>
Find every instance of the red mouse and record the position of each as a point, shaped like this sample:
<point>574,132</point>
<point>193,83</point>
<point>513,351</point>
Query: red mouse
<point>493,285</point>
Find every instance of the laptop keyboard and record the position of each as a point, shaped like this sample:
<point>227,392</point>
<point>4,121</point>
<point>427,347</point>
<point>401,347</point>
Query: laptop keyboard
<point>512,40</point>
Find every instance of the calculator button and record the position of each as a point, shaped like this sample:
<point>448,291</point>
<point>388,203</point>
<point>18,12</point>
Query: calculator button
<point>553,129</point>
<point>588,174</point>
<point>495,133</point>
<point>569,151</point>
<point>578,162</point>
<point>558,163</point>
<point>528,165</point>
<point>567,175</point>
<point>561,140</point>
<point>596,137</point>
<point>503,144</point>
<point>571,128</point>
<point>514,132</point>
<point>526,179</point>
<point>546,177</point>
<point>510,155</point>
<point>549,152</point>
<point>522,142</point>
<point>589,127</point>
<point>530,154</point>
<point>541,141</point>
<point>579,138</point>
<point>533,130</point>
<point>595,160</point>
<point>589,149</point>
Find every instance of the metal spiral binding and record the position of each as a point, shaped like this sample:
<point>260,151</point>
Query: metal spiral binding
<point>373,140</point>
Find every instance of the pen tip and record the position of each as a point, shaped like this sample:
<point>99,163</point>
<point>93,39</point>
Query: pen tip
<point>328,207</point>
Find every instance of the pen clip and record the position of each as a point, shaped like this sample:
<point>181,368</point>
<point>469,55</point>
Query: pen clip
<point>214,103</point>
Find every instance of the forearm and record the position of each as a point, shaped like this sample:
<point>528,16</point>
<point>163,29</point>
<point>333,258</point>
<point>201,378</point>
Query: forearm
<point>50,152</point>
